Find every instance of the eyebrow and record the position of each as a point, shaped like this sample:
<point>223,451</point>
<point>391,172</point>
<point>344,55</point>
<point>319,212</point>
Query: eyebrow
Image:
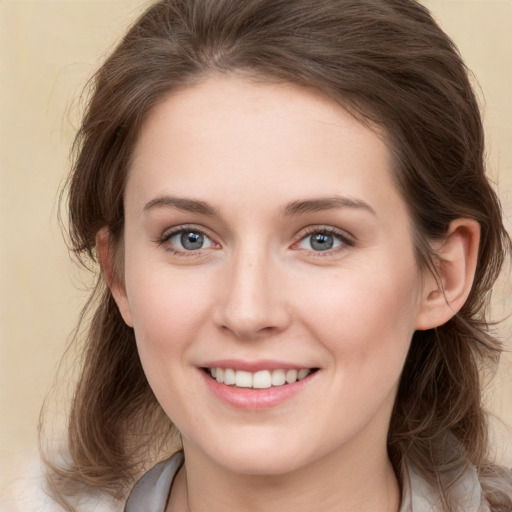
<point>299,207</point>
<point>180,203</point>
<point>325,203</point>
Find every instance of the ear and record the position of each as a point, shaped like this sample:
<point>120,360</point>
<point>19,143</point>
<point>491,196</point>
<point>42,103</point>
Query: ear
<point>457,255</point>
<point>114,281</point>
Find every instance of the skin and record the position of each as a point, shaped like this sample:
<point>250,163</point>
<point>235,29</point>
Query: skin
<point>258,289</point>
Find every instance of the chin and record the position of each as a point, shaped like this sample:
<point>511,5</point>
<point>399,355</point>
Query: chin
<point>270,457</point>
<point>261,464</point>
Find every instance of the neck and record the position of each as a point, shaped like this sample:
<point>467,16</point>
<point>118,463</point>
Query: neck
<point>338,482</point>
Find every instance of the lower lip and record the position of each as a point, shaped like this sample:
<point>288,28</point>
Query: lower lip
<point>255,399</point>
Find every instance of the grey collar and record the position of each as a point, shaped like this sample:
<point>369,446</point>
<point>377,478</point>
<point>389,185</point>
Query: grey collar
<point>151,492</point>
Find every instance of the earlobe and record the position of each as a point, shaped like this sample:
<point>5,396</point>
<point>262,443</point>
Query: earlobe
<point>110,273</point>
<point>445,294</point>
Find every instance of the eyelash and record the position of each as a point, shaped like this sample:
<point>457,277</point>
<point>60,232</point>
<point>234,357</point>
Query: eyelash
<point>164,240</point>
<point>341,236</point>
<point>346,241</point>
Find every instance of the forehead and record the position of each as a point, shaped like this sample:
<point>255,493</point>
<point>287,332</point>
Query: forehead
<point>231,138</point>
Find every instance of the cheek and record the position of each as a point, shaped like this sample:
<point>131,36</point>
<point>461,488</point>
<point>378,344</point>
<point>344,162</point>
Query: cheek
<point>167,310</point>
<point>364,315</point>
<point>167,318</point>
<point>366,323</point>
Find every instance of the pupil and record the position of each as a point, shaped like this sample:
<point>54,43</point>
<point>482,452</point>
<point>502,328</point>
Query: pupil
<point>191,240</point>
<point>322,242</point>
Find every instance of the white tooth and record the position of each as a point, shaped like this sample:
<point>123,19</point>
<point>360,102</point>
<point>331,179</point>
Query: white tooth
<point>291,376</point>
<point>229,376</point>
<point>278,378</point>
<point>212,372</point>
<point>304,372</point>
<point>261,380</point>
<point>243,379</point>
<point>219,374</point>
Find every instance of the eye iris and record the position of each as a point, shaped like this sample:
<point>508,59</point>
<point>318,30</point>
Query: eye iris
<point>192,240</point>
<point>322,241</point>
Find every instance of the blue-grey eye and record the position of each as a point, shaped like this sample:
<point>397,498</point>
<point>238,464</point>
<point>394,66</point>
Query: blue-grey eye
<point>190,240</point>
<point>321,241</point>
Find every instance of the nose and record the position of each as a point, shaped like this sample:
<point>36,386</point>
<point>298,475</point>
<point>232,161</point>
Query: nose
<point>252,300</point>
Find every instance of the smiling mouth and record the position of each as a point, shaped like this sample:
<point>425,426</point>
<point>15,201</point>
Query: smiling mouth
<point>263,379</point>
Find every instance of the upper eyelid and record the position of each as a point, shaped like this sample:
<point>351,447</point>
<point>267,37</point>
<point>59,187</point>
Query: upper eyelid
<point>309,230</point>
<point>170,232</point>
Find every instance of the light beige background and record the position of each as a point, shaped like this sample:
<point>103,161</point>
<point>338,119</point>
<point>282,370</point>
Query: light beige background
<point>48,50</point>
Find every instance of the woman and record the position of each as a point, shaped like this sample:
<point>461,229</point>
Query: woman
<point>297,242</point>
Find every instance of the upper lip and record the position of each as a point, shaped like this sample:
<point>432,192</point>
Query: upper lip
<point>254,366</point>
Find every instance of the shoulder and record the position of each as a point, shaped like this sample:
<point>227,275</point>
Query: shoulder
<point>471,492</point>
<point>27,492</point>
<point>496,484</point>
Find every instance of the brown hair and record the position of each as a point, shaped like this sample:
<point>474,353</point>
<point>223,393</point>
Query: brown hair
<point>389,64</point>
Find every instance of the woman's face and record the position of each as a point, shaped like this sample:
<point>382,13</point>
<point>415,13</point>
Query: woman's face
<point>265,237</point>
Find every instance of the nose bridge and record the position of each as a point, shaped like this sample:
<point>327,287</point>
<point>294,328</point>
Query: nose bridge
<point>252,300</point>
